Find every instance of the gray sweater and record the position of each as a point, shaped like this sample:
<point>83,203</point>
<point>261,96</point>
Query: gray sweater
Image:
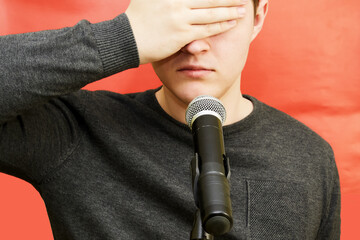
<point>112,166</point>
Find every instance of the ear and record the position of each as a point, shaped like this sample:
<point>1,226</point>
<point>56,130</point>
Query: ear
<point>259,19</point>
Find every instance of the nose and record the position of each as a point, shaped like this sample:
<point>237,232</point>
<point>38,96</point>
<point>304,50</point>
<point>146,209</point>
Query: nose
<point>196,47</point>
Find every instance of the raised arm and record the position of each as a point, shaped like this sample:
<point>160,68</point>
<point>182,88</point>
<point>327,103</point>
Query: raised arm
<point>35,67</point>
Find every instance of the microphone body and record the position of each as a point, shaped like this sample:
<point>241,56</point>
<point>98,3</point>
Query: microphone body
<point>211,185</point>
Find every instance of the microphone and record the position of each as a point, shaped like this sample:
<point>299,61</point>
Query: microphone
<point>210,167</point>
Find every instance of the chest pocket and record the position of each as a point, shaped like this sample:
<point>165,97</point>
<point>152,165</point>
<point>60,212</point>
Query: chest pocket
<point>277,210</point>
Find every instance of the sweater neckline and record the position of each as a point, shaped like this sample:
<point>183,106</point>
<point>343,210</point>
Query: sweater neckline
<point>242,125</point>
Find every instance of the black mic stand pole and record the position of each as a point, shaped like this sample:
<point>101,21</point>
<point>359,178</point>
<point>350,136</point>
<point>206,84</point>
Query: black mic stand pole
<point>198,233</point>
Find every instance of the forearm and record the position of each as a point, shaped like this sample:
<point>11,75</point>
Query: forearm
<point>35,67</point>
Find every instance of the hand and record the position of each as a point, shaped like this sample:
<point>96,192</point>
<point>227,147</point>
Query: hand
<point>163,27</point>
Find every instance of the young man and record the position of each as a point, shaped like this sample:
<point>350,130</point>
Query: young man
<point>112,166</point>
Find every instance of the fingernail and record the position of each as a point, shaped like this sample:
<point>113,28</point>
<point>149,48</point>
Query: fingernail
<point>241,11</point>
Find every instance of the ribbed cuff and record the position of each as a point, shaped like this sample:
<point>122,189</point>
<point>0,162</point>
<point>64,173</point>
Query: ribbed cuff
<point>116,45</point>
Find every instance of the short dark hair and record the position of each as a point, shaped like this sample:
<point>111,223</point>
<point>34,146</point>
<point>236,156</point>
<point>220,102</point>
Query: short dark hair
<point>256,4</point>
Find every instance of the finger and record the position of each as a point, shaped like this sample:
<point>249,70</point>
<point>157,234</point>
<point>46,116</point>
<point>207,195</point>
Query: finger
<point>204,31</point>
<point>196,4</point>
<point>214,15</point>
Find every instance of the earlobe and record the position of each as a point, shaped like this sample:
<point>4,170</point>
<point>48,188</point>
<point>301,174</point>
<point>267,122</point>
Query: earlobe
<point>259,19</point>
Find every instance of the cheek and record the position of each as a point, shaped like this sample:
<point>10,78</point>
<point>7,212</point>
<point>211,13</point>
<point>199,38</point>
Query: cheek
<point>165,68</point>
<point>233,52</point>
<point>160,69</point>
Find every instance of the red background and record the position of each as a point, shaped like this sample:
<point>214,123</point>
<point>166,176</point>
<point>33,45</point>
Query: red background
<point>305,62</point>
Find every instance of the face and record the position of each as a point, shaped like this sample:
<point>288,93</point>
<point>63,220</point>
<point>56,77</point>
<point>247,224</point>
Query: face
<point>209,66</point>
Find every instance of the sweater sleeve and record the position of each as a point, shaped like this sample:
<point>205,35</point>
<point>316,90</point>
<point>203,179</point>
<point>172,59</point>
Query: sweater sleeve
<point>38,66</point>
<point>40,123</point>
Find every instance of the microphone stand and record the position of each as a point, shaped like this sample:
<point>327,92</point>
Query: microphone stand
<point>198,232</point>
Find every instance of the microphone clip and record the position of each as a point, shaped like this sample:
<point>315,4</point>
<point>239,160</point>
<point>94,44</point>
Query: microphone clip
<point>198,232</point>
<point>195,174</point>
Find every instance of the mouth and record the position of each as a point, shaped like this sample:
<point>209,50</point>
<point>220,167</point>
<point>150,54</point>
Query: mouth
<point>194,68</point>
<point>195,71</point>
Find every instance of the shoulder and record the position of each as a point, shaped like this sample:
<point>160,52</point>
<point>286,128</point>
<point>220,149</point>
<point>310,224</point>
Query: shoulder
<point>292,133</point>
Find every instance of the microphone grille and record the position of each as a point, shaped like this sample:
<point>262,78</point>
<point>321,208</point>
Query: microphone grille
<point>206,104</point>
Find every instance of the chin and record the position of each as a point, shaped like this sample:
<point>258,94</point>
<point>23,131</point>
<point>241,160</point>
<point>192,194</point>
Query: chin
<point>186,95</point>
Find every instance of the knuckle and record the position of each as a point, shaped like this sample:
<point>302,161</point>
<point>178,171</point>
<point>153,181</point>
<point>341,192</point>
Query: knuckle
<point>222,26</point>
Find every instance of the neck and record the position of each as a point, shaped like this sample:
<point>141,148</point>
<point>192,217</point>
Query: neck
<point>237,107</point>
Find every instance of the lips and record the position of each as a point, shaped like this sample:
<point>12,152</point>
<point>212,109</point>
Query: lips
<point>195,71</point>
<point>194,68</point>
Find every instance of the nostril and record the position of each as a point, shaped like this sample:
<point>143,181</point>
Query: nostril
<point>196,47</point>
